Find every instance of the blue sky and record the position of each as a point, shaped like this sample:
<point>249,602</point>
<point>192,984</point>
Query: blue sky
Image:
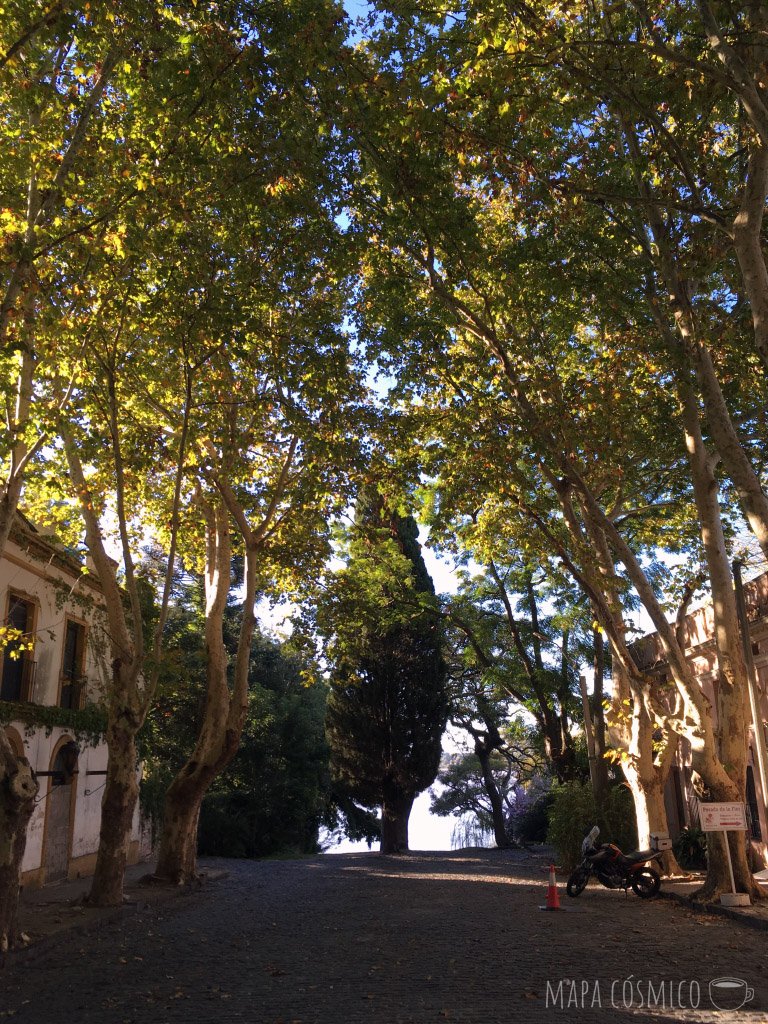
<point>356,8</point>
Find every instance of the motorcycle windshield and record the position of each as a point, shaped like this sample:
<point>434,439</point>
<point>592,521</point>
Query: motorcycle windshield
<point>590,841</point>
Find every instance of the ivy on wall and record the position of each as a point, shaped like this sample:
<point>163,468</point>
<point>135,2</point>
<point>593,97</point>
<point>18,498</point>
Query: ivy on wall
<point>86,725</point>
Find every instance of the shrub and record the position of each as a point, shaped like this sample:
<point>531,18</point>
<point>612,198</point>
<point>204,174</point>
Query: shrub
<point>573,812</point>
<point>691,848</point>
<point>530,824</point>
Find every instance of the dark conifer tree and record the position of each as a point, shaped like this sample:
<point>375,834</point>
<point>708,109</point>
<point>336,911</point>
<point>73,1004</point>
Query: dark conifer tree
<point>387,707</point>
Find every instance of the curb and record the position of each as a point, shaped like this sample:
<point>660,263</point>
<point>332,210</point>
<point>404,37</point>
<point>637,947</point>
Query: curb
<point>759,924</point>
<point>134,906</point>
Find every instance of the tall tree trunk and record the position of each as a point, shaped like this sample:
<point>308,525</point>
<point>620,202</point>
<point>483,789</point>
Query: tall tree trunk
<point>650,814</point>
<point>748,245</point>
<point>18,417</point>
<point>395,812</point>
<point>736,462</point>
<point>564,699</point>
<point>732,712</point>
<point>18,789</point>
<point>121,791</point>
<point>483,753</point>
<point>719,756</point>
<point>567,477</point>
<point>558,745</point>
<point>177,859</point>
<point>705,741</point>
<point>598,717</point>
<point>634,733</point>
<point>128,694</point>
<point>646,776</point>
<point>225,711</point>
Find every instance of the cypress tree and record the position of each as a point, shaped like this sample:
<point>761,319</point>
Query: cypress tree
<point>388,704</point>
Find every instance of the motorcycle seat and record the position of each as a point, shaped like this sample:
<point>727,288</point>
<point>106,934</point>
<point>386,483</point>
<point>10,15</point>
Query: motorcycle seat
<point>642,855</point>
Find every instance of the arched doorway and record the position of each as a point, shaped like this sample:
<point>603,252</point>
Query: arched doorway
<point>59,810</point>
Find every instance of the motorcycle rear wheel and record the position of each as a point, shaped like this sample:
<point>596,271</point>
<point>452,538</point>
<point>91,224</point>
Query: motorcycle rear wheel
<point>645,883</point>
<point>577,883</point>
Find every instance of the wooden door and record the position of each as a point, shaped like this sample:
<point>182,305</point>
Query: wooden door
<point>57,823</point>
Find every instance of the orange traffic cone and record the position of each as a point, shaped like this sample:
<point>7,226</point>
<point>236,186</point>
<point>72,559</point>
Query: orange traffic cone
<point>553,898</point>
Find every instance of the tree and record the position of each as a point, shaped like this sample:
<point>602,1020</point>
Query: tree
<point>275,441</point>
<point>522,653</point>
<point>503,652</point>
<point>473,229</point>
<point>223,388</point>
<point>272,796</point>
<point>65,84</point>
<point>488,781</point>
<point>639,118</point>
<point>481,788</point>
<point>18,789</point>
<point>275,790</point>
<point>475,707</point>
<point>59,186</point>
<point>387,705</point>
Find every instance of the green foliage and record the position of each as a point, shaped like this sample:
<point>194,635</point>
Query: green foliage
<point>270,799</point>
<point>463,790</point>
<point>504,648</point>
<point>691,848</point>
<point>343,818</point>
<point>573,812</point>
<point>86,725</point>
<point>532,824</point>
<point>516,761</point>
<point>272,796</point>
<point>387,706</point>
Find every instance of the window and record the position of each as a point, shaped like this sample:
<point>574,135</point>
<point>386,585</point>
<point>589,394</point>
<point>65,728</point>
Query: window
<point>72,681</point>
<point>18,663</point>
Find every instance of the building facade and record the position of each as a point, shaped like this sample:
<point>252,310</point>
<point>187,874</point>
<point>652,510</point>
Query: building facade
<point>698,636</point>
<point>53,669</point>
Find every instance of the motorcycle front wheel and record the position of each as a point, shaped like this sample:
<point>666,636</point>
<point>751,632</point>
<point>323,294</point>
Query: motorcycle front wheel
<point>577,883</point>
<point>645,883</point>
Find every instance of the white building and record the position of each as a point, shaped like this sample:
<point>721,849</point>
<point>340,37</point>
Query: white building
<point>49,697</point>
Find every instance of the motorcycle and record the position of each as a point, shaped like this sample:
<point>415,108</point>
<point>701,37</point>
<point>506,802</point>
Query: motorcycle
<point>614,869</point>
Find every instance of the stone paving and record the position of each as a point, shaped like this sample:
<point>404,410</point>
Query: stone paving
<point>44,914</point>
<point>365,939</point>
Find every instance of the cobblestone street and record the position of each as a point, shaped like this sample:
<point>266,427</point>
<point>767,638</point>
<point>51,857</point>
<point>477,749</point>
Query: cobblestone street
<point>362,938</point>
